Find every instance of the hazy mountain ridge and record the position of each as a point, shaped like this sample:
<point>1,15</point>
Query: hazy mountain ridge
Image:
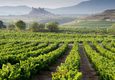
<point>86,7</point>
<point>37,15</point>
<point>45,15</point>
<point>14,10</point>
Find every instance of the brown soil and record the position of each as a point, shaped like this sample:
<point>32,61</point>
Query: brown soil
<point>46,74</point>
<point>85,67</point>
<point>94,47</point>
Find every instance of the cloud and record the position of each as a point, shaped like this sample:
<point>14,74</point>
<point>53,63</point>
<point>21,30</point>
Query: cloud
<point>40,3</point>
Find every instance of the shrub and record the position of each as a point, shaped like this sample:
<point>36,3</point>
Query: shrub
<point>20,25</point>
<point>52,26</point>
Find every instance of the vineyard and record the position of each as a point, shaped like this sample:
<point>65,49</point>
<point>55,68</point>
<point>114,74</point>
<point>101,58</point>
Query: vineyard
<point>56,56</point>
<point>89,24</point>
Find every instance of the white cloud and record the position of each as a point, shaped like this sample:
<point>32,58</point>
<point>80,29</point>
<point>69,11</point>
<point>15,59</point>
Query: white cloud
<point>40,3</point>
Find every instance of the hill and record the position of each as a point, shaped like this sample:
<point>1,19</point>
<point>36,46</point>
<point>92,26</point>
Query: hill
<point>37,15</point>
<point>88,24</point>
<point>14,10</point>
<point>86,7</point>
<point>106,15</point>
<point>40,12</point>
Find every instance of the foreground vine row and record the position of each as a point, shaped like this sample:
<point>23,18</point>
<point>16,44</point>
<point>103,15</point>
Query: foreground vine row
<point>104,66</point>
<point>69,69</point>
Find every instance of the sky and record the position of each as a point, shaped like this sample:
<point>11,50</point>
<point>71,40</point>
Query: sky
<point>40,3</point>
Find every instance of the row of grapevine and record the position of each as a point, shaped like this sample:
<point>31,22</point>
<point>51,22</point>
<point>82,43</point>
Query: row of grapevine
<point>104,66</point>
<point>13,59</point>
<point>69,69</point>
<point>51,37</point>
<point>13,45</point>
<point>25,49</point>
<point>29,67</point>
<point>109,45</point>
<point>16,48</point>
<point>104,51</point>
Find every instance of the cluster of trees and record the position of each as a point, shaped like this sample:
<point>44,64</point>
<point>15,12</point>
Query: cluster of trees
<point>34,27</point>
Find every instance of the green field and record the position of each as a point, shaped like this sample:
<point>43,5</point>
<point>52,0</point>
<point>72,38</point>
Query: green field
<point>24,54</point>
<point>88,24</point>
<point>83,50</point>
<point>85,26</point>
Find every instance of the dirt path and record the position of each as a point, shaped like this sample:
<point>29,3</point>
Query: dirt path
<point>86,68</point>
<point>94,47</point>
<point>46,74</point>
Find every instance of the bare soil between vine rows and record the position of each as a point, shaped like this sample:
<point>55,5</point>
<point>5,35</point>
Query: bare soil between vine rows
<point>46,74</point>
<point>85,66</point>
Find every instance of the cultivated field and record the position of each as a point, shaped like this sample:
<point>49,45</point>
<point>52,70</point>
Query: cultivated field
<point>56,56</point>
<point>89,24</point>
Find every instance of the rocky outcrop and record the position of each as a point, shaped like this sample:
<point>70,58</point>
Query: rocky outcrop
<point>40,12</point>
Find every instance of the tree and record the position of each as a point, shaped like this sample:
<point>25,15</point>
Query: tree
<point>2,25</point>
<point>41,27</point>
<point>34,27</point>
<point>52,26</point>
<point>11,27</point>
<point>20,25</point>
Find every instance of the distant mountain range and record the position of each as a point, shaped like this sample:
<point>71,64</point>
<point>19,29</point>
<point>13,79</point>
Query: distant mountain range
<point>37,15</point>
<point>86,7</point>
<point>14,10</point>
